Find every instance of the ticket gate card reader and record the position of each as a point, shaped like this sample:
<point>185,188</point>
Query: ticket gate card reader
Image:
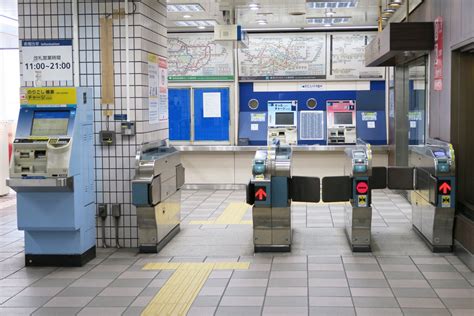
<point>433,197</point>
<point>52,171</point>
<point>270,191</point>
<point>156,193</point>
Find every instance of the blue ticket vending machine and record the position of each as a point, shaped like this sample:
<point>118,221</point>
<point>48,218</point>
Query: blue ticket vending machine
<point>52,171</point>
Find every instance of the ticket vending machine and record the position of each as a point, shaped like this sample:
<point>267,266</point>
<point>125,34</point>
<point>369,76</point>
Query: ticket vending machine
<point>52,171</point>
<point>282,122</point>
<point>341,122</point>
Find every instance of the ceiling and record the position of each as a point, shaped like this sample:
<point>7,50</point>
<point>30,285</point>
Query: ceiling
<point>8,24</point>
<point>277,14</point>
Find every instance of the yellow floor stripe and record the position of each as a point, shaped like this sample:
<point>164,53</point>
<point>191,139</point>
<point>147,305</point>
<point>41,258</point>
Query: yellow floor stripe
<point>232,215</point>
<point>182,288</point>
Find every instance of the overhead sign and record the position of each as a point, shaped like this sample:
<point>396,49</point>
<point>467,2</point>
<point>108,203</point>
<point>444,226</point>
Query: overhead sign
<point>362,187</point>
<point>444,187</point>
<point>438,60</point>
<point>261,193</point>
<point>47,60</point>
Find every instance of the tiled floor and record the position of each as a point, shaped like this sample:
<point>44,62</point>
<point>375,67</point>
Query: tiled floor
<point>320,277</point>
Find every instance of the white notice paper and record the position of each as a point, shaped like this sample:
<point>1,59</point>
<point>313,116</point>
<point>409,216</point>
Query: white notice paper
<point>370,124</point>
<point>211,104</point>
<point>412,124</point>
<point>254,127</point>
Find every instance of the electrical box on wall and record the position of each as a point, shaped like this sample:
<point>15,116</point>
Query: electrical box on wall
<point>231,33</point>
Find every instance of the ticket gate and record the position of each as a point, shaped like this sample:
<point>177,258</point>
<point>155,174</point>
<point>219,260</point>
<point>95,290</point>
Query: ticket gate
<point>433,195</point>
<point>156,194</point>
<point>271,191</point>
<point>355,187</point>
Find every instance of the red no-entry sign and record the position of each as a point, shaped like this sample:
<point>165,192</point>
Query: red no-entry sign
<point>362,187</point>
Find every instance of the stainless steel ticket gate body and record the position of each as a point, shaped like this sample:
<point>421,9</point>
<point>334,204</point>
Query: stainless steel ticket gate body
<point>156,194</point>
<point>358,212</point>
<point>270,191</point>
<point>433,197</point>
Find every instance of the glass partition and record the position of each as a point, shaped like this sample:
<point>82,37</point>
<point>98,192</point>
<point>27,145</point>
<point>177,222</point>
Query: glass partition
<point>417,106</point>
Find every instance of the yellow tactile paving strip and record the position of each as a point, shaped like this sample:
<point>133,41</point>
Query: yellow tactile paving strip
<point>182,288</point>
<point>232,215</point>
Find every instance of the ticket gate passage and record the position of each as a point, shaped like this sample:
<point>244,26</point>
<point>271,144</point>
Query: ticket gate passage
<point>156,194</point>
<point>433,196</point>
<point>270,191</point>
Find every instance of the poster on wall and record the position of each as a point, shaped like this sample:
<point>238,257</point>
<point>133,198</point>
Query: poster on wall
<point>193,57</point>
<point>347,57</point>
<point>157,89</point>
<point>283,57</point>
<point>46,60</point>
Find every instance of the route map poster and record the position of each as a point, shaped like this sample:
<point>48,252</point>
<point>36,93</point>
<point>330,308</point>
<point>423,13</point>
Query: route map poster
<point>347,57</point>
<point>283,57</point>
<point>194,57</point>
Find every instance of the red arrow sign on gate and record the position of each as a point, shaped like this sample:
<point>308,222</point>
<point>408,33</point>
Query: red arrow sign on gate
<point>260,194</point>
<point>445,188</point>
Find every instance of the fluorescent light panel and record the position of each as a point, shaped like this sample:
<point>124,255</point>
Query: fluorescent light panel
<point>191,23</point>
<point>185,7</point>
<point>318,4</point>
<point>328,20</point>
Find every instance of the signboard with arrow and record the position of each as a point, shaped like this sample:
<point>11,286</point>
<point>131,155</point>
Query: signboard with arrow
<point>260,193</point>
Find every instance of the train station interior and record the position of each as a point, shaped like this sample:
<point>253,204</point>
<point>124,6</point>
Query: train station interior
<point>237,157</point>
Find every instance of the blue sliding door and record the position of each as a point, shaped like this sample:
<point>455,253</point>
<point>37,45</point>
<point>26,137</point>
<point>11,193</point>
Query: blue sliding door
<point>211,114</point>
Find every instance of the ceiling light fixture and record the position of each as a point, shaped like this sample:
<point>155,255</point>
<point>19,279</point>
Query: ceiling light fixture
<point>254,6</point>
<point>193,23</point>
<point>184,7</point>
<point>326,20</point>
<point>201,27</point>
<point>330,13</point>
<point>186,16</point>
<point>262,22</point>
<point>318,4</point>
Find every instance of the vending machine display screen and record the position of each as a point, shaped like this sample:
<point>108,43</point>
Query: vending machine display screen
<point>285,118</point>
<point>343,118</point>
<point>50,123</point>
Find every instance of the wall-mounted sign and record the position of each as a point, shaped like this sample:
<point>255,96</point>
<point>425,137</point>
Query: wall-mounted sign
<point>157,89</point>
<point>47,60</point>
<point>438,61</point>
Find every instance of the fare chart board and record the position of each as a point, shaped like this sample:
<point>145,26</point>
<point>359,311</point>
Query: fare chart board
<point>198,57</point>
<point>347,57</point>
<point>283,57</point>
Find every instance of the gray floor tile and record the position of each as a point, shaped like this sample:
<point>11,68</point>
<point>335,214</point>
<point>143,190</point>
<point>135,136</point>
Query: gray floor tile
<point>328,283</point>
<point>416,302</point>
<point>378,302</point>
<point>450,284</point>
<point>371,292</point>
<point>288,274</point>
<point>289,267</point>
<point>201,311</point>
<point>57,311</point>
<point>403,275</point>
<point>455,293</point>
<point>327,274</point>
<point>409,284</point>
<point>370,283</point>
<point>330,301</point>
<point>212,291</point>
<point>361,311</point>
<point>331,311</point>
<point>206,301</point>
<point>121,291</point>
<point>425,312</point>
<point>104,311</point>
<point>130,282</point>
<point>245,282</point>
<point>286,301</point>
<point>68,302</point>
<point>466,303</point>
<point>238,311</point>
<point>250,274</point>
<point>111,301</point>
<point>80,291</point>
<point>329,291</point>
<point>141,301</point>
<point>414,292</point>
<point>233,300</point>
<point>245,291</point>
<point>462,312</point>
<point>284,310</point>
<point>287,291</point>
<point>26,301</point>
<point>91,283</point>
<point>16,311</point>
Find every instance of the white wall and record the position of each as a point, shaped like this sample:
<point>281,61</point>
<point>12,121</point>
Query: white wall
<point>9,84</point>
